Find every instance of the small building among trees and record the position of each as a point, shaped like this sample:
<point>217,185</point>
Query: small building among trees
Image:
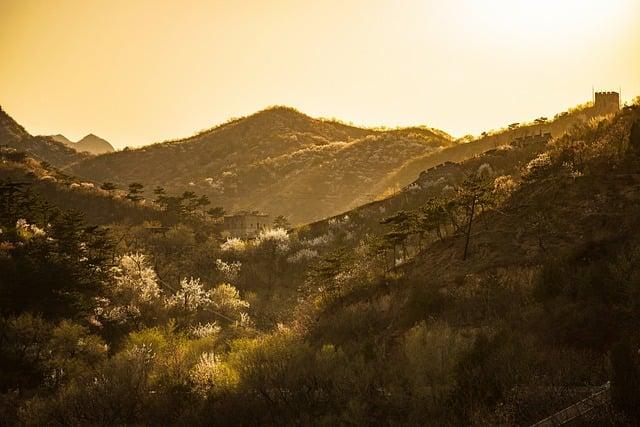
<point>245,224</point>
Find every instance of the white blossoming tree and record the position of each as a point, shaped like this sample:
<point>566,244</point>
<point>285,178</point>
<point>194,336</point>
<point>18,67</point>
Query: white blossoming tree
<point>276,239</point>
<point>135,294</point>
<point>230,270</point>
<point>233,244</point>
<point>191,297</point>
<point>198,304</point>
<point>225,299</point>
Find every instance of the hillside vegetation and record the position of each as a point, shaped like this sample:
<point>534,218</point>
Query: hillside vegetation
<point>42,147</point>
<point>278,160</point>
<point>54,187</point>
<point>283,162</point>
<point>492,291</point>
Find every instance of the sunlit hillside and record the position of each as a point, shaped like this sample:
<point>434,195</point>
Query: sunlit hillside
<point>497,290</point>
<point>279,161</point>
<point>466,254</point>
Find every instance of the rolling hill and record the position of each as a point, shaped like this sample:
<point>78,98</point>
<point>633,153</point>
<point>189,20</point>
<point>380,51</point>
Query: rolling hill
<point>278,160</point>
<point>283,162</point>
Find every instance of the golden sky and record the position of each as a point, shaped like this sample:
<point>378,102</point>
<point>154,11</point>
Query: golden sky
<point>141,71</point>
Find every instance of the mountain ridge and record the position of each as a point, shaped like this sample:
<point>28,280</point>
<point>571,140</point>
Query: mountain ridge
<point>272,160</point>
<point>90,143</point>
<point>14,135</point>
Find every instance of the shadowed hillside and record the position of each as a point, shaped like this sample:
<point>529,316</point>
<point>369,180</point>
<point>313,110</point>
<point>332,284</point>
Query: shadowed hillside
<point>544,296</point>
<point>99,207</point>
<point>43,147</point>
<point>493,291</point>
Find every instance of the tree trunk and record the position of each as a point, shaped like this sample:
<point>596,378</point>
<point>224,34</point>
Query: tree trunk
<point>468,236</point>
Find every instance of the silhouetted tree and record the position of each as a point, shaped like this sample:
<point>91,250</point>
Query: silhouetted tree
<point>109,187</point>
<point>433,217</point>
<point>159,191</point>
<point>135,192</point>
<point>189,202</point>
<point>203,201</point>
<point>541,121</point>
<point>55,265</point>
<point>403,224</point>
<point>475,193</point>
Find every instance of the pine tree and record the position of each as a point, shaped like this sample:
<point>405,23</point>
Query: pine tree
<point>135,192</point>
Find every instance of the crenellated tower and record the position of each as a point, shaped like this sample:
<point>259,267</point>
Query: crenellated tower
<point>606,102</point>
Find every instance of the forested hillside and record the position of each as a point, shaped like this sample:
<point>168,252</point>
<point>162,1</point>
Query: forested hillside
<point>285,163</point>
<point>278,160</point>
<point>99,206</point>
<point>494,291</point>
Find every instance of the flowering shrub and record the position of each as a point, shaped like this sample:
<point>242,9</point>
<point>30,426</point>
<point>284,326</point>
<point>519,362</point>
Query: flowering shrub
<point>485,170</point>
<point>536,165</point>
<point>205,330</point>
<point>134,277</point>
<point>211,376</point>
<point>304,254</point>
<point>27,231</point>
<point>135,290</point>
<point>277,237</point>
<point>191,297</point>
<point>229,270</point>
<point>503,186</point>
<point>233,245</point>
<point>322,240</point>
<point>225,298</point>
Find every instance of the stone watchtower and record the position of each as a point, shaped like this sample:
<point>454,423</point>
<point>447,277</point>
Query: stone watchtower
<point>606,102</point>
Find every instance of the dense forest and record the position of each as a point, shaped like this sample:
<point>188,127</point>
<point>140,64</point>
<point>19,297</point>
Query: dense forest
<point>496,289</point>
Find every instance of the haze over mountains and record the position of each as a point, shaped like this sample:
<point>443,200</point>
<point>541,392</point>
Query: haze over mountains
<point>42,147</point>
<point>515,253</point>
<point>90,143</point>
<point>278,160</point>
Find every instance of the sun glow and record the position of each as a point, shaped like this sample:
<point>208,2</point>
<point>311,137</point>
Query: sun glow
<point>138,72</point>
<point>545,22</point>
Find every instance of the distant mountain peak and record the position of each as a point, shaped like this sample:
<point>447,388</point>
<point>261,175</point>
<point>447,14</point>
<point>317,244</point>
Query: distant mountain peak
<point>50,149</point>
<point>91,143</point>
<point>91,137</point>
<point>94,145</point>
<point>61,138</point>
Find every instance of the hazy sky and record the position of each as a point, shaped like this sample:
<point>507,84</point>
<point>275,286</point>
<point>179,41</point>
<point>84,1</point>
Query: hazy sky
<point>141,71</point>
